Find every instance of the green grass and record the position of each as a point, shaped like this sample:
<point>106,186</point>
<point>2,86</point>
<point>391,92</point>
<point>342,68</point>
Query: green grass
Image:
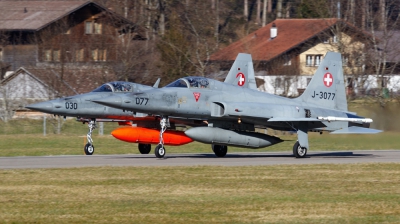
<point>72,144</point>
<point>25,138</point>
<point>358,193</point>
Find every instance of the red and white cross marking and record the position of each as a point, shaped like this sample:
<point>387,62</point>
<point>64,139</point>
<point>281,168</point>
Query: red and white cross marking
<point>242,79</point>
<point>328,79</point>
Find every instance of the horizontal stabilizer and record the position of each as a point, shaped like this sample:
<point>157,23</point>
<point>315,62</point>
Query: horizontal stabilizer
<point>356,130</point>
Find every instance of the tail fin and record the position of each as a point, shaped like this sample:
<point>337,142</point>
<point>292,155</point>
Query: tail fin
<point>326,88</point>
<point>242,72</point>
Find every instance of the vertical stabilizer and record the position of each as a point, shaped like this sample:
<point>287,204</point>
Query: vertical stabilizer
<point>242,72</point>
<point>326,88</point>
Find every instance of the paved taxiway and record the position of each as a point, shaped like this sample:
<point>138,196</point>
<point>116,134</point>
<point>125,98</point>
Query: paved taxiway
<point>231,159</point>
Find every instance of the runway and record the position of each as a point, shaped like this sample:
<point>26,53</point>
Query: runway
<point>232,159</point>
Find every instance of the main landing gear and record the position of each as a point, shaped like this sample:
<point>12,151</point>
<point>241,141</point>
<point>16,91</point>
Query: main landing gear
<point>89,148</point>
<point>298,151</point>
<point>219,150</point>
<point>144,148</point>
<point>301,146</point>
<point>159,151</point>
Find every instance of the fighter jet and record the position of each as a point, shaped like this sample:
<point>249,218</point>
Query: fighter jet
<point>86,111</point>
<point>143,132</point>
<point>233,112</point>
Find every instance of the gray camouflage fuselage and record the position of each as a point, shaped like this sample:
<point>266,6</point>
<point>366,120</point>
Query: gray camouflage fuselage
<point>81,105</point>
<point>223,104</point>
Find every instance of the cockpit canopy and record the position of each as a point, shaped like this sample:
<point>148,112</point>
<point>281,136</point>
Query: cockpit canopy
<point>117,86</point>
<point>191,82</point>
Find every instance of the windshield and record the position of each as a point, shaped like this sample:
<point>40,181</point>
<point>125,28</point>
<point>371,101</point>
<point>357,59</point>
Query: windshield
<point>115,87</point>
<point>190,82</point>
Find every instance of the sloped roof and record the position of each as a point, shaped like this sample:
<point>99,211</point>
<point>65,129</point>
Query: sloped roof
<point>35,15</point>
<point>291,33</point>
<point>74,80</point>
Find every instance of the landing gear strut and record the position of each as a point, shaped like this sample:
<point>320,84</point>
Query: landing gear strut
<point>159,151</point>
<point>89,148</point>
<point>144,148</point>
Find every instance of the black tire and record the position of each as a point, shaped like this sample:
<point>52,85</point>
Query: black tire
<point>298,151</point>
<point>159,151</point>
<point>89,149</point>
<point>144,148</point>
<point>220,150</point>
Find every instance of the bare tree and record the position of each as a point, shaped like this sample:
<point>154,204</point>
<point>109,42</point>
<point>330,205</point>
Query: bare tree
<point>264,15</point>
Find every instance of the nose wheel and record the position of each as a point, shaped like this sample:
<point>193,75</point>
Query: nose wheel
<point>89,148</point>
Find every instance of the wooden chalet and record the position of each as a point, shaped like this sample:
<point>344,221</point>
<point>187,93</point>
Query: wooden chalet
<point>48,33</point>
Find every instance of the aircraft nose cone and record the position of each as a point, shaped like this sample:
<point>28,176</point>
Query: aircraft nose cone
<point>111,101</point>
<point>45,107</point>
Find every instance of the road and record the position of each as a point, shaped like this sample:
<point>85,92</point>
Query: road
<point>232,159</point>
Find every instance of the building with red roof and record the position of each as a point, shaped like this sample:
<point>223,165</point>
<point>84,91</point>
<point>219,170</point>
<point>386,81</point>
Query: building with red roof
<point>287,52</point>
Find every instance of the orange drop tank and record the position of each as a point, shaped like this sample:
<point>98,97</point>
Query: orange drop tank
<point>150,136</point>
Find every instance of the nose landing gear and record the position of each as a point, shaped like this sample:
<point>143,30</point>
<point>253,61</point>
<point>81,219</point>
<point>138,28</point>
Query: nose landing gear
<point>89,148</point>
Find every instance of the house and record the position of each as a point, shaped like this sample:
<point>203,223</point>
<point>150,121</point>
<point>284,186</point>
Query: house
<point>42,33</point>
<point>51,49</point>
<point>287,52</point>
<point>33,84</point>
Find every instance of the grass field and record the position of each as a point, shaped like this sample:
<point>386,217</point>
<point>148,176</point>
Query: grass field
<point>360,193</point>
<point>72,144</point>
<point>350,193</point>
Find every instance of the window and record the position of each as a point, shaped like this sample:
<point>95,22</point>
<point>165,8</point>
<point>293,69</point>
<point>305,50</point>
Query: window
<point>95,55</point>
<point>313,60</point>
<point>79,55</point>
<point>56,55</point>
<point>334,39</point>
<point>99,55</point>
<point>91,27</point>
<point>317,60</point>
<point>47,55</point>
<point>325,40</point>
<point>103,55</point>
<point>309,60</point>
<point>97,28</point>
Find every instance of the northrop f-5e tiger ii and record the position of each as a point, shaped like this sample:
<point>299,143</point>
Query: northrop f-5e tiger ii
<point>137,128</point>
<point>232,112</point>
